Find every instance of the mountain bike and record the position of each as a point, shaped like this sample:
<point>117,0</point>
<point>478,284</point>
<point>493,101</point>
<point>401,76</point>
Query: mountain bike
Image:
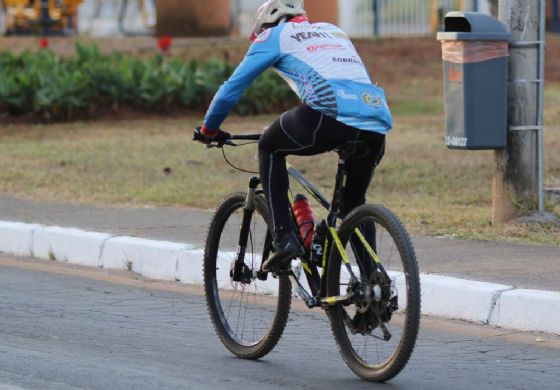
<point>366,279</point>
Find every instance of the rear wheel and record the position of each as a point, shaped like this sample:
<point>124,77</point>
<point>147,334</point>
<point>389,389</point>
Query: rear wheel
<point>249,316</point>
<point>376,330</point>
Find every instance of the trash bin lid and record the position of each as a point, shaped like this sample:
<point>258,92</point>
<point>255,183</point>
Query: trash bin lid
<point>473,26</point>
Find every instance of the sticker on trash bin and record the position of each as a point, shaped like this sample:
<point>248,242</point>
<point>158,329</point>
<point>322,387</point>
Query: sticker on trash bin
<point>456,141</point>
<point>455,74</point>
<point>466,52</point>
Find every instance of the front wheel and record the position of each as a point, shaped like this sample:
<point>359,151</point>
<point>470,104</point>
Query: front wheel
<point>376,328</point>
<point>249,315</point>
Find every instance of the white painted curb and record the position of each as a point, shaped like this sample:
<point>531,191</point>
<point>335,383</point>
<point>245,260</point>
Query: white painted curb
<point>190,271</point>
<point>73,246</point>
<point>17,238</point>
<point>488,303</point>
<point>151,259</point>
<point>458,298</point>
<point>528,310</point>
<point>189,267</point>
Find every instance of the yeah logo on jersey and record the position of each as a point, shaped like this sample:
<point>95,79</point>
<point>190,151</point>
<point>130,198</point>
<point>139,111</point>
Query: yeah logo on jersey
<point>304,36</point>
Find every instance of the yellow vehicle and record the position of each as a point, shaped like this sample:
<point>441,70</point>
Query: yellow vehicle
<point>46,17</point>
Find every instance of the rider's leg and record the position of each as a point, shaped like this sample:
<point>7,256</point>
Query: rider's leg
<point>360,171</point>
<point>300,131</point>
<point>277,142</point>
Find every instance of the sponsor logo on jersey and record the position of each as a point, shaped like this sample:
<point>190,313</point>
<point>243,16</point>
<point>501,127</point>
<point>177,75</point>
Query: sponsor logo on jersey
<point>325,46</point>
<point>345,95</point>
<point>347,60</point>
<point>372,100</point>
<point>304,36</point>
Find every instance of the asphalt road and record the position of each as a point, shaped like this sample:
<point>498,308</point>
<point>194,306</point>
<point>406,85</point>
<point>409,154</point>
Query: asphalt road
<point>65,327</point>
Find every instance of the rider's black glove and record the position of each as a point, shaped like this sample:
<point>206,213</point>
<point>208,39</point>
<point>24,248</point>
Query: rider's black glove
<point>202,134</point>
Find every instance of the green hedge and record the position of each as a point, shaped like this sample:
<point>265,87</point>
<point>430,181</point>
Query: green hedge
<point>45,85</point>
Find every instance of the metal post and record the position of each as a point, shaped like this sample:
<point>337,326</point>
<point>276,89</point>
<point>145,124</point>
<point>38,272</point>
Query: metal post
<point>435,15</point>
<point>377,17</point>
<point>555,16</point>
<point>540,106</point>
<point>475,5</point>
<point>45,17</point>
<point>518,173</point>
<point>494,7</point>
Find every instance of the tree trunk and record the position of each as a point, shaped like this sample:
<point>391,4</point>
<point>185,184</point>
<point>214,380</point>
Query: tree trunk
<point>515,175</point>
<point>193,18</point>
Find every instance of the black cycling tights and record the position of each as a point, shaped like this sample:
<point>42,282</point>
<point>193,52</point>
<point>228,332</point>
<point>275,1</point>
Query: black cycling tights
<point>303,131</point>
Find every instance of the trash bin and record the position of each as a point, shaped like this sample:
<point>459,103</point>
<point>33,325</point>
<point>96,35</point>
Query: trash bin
<point>475,65</point>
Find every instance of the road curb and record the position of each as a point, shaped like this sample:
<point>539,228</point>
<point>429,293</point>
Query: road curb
<point>189,267</point>
<point>459,298</point>
<point>149,258</point>
<point>486,303</point>
<point>68,245</point>
<point>523,309</point>
<point>17,238</point>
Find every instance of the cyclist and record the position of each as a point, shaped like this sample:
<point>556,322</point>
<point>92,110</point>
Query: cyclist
<point>339,104</point>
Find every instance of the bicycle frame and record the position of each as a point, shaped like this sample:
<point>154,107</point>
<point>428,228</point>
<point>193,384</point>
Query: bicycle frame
<point>356,307</point>
<point>316,281</point>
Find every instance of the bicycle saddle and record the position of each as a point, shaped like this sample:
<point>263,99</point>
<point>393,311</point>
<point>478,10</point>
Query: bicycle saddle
<point>352,148</point>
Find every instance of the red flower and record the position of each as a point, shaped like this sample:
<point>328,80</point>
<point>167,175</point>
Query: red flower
<point>44,43</point>
<point>164,43</point>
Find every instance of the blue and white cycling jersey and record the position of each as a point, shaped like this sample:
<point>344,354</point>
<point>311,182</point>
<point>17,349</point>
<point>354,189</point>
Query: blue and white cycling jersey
<point>321,65</point>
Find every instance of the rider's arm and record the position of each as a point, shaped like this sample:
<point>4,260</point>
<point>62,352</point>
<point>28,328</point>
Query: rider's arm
<point>264,52</point>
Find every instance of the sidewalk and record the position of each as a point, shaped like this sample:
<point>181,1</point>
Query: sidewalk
<point>523,266</point>
<point>514,266</point>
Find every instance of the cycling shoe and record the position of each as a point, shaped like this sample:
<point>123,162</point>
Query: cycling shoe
<point>283,253</point>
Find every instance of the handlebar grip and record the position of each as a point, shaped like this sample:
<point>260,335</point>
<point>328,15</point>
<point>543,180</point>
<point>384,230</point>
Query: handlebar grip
<point>198,136</point>
<point>214,142</point>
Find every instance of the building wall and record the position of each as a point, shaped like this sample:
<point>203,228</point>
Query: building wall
<point>323,10</point>
<point>193,18</point>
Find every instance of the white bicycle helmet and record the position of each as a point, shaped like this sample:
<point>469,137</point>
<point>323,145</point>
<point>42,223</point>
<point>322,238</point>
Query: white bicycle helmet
<point>273,11</point>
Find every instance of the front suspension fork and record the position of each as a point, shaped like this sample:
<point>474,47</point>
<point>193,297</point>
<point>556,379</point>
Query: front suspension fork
<point>248,210</point>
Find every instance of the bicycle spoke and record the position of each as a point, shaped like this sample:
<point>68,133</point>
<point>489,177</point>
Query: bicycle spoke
<point>247,309</point>
<point>369,330</point>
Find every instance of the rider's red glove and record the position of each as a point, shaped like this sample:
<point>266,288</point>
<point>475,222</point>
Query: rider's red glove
<point>210,134</point>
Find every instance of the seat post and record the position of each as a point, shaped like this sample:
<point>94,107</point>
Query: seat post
<point>337,196</point>
<point>345,151</point>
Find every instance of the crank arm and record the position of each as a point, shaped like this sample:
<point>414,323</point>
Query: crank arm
<point>307,298</point>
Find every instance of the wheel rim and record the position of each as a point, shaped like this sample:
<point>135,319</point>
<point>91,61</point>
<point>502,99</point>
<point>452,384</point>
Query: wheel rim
<point>368,346</point>
<point>246,310</point>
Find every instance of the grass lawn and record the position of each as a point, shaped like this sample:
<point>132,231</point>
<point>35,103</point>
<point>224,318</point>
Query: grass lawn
<point>434,190</point>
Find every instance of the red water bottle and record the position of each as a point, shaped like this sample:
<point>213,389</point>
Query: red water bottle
<point>305,220</point>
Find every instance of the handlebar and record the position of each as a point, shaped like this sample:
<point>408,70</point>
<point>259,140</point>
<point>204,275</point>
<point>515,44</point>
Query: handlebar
<point>246,137</point>
<point>198,136</point>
